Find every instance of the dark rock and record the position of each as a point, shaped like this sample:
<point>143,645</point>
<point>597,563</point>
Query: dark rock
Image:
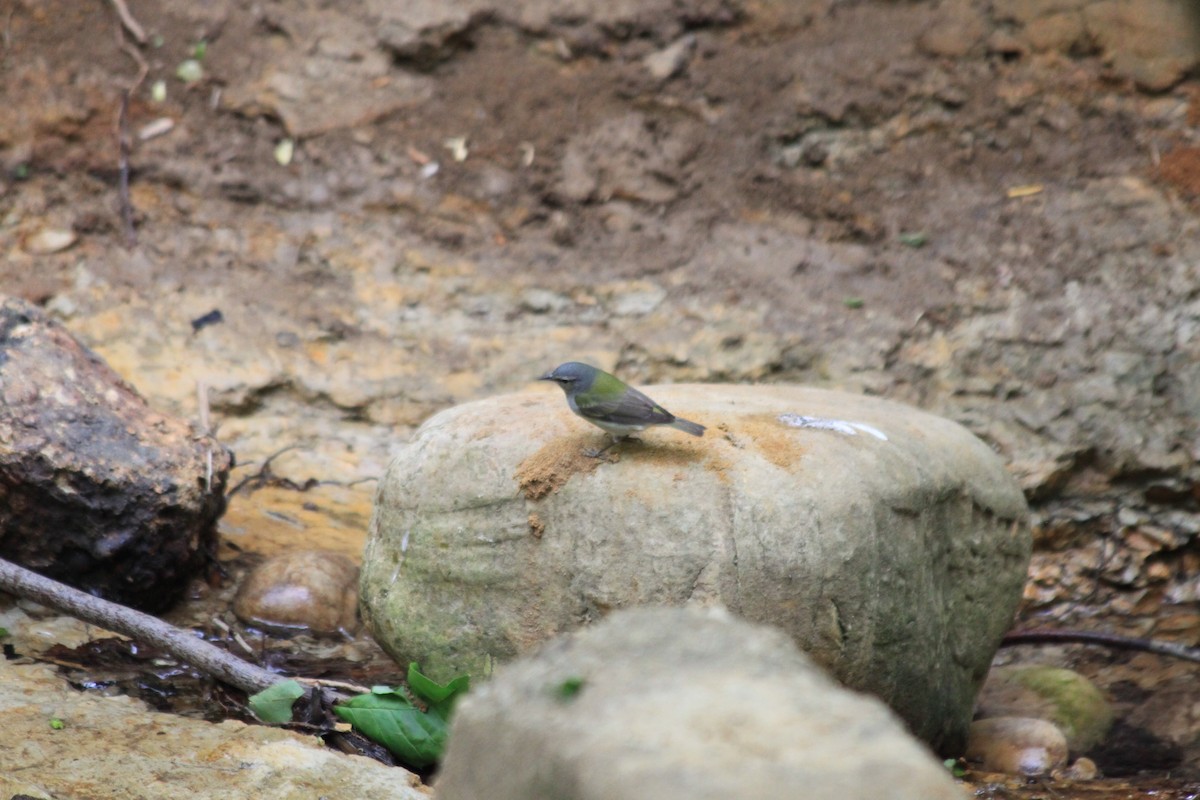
<point>97,489</point>
<point>1130,750</point>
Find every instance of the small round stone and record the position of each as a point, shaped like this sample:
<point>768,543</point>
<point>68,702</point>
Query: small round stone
<point>1017,745</point>
<point>312,591</point>
<point>1072,702</point>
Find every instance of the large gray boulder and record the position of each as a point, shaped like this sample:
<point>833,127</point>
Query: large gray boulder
<point>893,552</point>
<point>679,704</point>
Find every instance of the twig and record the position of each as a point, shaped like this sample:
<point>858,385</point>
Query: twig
<point>135,54</point>
<point>264,473</point>
<point>205,427</point>
<point>8,18</point>
<point>123,140</point>
<point>123,172</point>
<point>317,683</point>
<point>202,409</point>
<point>1042,636</point>
<point>136,625</point>
<point>131,24</point>
<point>266,477</point>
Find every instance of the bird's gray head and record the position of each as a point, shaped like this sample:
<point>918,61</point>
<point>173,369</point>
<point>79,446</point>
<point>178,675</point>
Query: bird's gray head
<point>572,376</point>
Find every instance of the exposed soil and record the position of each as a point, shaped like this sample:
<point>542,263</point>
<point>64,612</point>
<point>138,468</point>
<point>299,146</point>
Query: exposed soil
<point>933,201</point>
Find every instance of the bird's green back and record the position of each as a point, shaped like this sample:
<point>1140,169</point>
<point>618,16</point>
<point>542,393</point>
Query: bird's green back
<point>607,385</point>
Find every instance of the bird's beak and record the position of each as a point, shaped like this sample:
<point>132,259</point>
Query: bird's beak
<point>547,376</point>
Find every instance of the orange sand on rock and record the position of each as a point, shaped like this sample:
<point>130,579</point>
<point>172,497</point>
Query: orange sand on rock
<point>778,443</point>
<point>549,469</point>
<point>553,465</point>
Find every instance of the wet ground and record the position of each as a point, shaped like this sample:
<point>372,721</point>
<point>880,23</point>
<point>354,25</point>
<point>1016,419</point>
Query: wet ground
<point>936,202</point>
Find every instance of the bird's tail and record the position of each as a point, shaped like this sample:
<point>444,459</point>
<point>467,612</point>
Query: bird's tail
<point>688,427</point>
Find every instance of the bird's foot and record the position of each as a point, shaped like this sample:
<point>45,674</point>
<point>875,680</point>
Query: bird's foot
<point>590,453</point>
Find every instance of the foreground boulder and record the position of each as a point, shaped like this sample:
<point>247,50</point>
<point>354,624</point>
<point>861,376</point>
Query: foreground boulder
<point>679,704</point>
<point>891,546</point>
<point>96,489</point>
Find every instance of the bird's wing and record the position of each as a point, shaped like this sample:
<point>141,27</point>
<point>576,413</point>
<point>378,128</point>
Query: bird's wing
<point>631,408</point>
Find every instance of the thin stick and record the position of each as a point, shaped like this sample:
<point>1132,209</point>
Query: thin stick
<point>135,54</point>
<point>317,683</point>
<point>264,472</point>
<point>205,426</point>
<point>1042,636</point>
<point>202,408</point>
<point>123,140</point>
<point>8,33</point>
<point>136,625</point>
<point>123,172</point>
<point>131,24</point>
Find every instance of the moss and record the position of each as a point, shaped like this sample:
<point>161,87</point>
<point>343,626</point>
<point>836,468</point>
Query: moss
<point>1077,706</point>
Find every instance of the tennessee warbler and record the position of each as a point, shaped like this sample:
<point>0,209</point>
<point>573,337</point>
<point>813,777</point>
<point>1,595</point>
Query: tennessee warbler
<point>611,404</point>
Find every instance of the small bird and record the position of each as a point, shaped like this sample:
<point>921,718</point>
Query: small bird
<point>611,404</point>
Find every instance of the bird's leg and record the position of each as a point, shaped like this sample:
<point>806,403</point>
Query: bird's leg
<point>597,453</point>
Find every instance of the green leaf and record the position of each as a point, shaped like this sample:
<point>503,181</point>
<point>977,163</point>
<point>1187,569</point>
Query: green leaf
<point>414,736</point>
<point>570,687</point>
<point>389,717</point>
<point>57,724</point>
<point>3,632</point>
<point>435,693</point>
<point>274,704</point>
<point>915,239</point>
<point>853,302</point>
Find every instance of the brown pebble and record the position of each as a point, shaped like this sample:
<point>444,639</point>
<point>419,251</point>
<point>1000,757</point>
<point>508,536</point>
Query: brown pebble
<point>1016,745</point>
<point>1084,769</point>
<point>313,591</point>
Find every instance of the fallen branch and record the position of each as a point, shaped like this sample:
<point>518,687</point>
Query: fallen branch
<point>144,628</point>
<point>1043,636</point>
